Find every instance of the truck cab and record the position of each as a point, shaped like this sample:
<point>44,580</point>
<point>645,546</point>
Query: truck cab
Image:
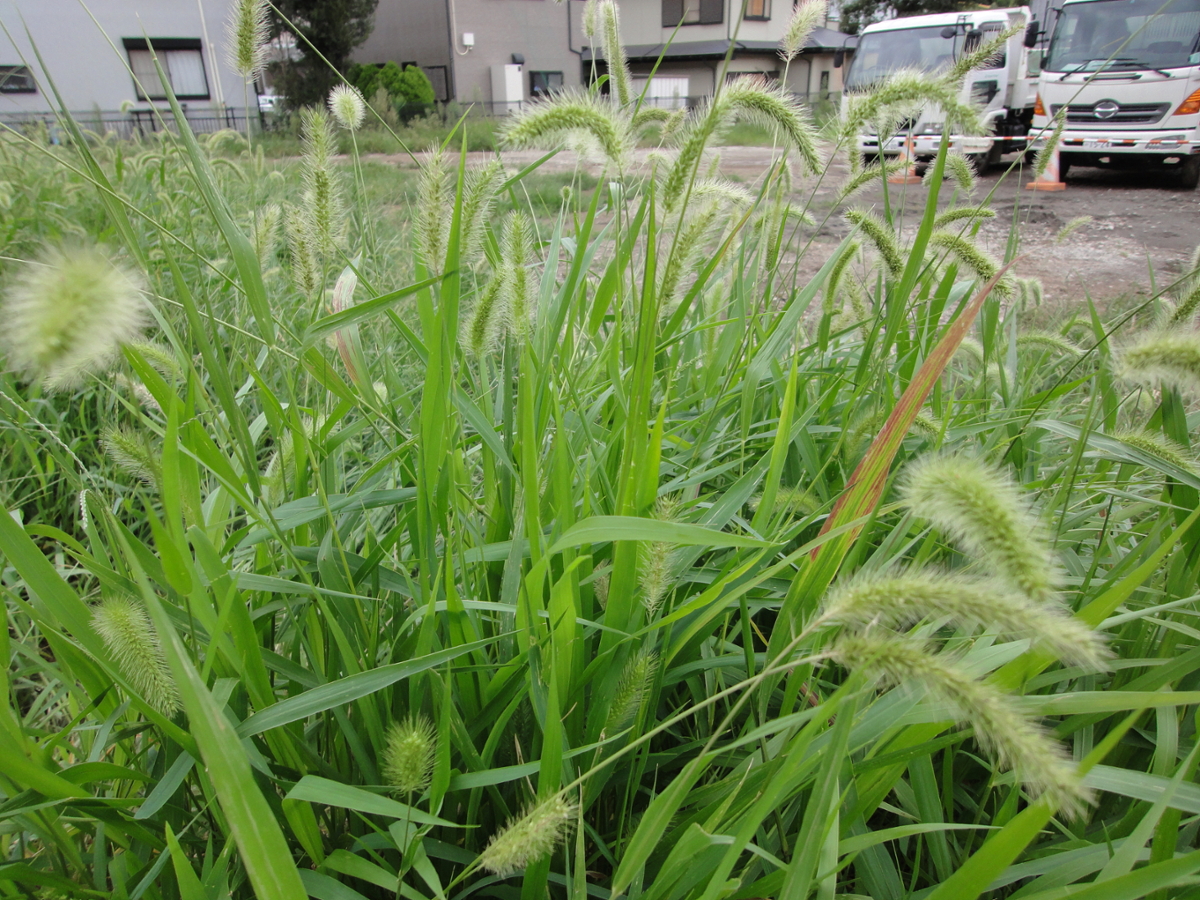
<point>1124,75</point>
<point>932,44</point>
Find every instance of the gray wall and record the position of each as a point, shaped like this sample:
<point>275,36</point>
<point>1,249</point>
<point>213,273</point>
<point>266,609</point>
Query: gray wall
<point>408,31</point>
<point>89,72</point>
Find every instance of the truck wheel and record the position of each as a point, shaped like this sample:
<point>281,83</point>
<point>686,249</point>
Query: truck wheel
<point>1189,173</point>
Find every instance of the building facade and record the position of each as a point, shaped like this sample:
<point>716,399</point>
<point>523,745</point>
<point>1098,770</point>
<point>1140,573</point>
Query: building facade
<point>694,37</point>
<point>104,68</point>
<point>495,54</point>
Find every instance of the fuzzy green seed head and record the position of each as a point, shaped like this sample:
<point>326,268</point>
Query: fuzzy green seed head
<point>970,256</point>
<point>631,691</point>
<point>131,452</point>
<point>517,287</point>
<point>1074,225</point>
<point>247,32</point>
<point>614,52</point>
<point>805,17</point>
<point>66,316</point>
<point>126,630</point>
<point>754,99</point>
<point>1048,341</point>
<point>530,838</point>
<point>322,199</point>
<point>882,236</point>
<point>1163,357</point>
<point>409,755</point>
<point>999,725</point>
<point>981,509</point>
<point>960,170</point>
<point>571,115</point>
<point>895,600</point>
<point>1158,445</point>
<point>347,106</point>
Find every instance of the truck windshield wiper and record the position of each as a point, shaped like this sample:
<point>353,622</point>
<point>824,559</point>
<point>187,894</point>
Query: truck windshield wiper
<point>1124,62</point>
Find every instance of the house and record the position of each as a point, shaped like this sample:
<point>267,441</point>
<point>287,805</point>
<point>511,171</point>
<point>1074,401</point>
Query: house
<point>492,53</point>
<point>91,62</point>
<point>693,38</point>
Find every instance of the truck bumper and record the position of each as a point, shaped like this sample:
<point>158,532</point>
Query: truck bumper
<point>1092,144</point>
<point>928,144</point>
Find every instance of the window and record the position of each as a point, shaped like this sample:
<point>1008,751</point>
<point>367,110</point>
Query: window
<point>182,62</point>
<point>441,84</point>
<point>16,80</point>
<point>543,83</point>
<point>988,31</point>
<point>693,12</point>
<point>758,9</point>
<point>824,88</point>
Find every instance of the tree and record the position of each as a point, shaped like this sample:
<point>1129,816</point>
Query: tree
<point>325,28</point>
<point>859,13</point>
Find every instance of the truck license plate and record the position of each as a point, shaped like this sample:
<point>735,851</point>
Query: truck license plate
<point>1095,145</point>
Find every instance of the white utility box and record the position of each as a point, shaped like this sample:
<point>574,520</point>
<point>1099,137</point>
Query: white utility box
<point>508,89</point>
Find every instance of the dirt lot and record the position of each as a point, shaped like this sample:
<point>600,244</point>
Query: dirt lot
<point>1143,230</point>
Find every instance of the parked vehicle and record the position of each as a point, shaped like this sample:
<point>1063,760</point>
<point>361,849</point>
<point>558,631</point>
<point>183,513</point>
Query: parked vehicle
<point>932,43</point>
<point>1125,75</point>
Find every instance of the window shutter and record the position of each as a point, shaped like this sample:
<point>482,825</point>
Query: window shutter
<point>712,12</point>
<point>672,12</point>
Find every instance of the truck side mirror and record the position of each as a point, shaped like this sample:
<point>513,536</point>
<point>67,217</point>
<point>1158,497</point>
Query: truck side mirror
<point>949,31</point>
<point>1032,33</point>
<point>839,57</point>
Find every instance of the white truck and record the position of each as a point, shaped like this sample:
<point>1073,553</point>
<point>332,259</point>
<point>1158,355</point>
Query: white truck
<point>1127,73</point>
<point>932,43</point>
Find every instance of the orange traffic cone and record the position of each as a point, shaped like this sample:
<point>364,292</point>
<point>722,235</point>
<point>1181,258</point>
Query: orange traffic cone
<point>909,175</point>
<point>1049,180</point>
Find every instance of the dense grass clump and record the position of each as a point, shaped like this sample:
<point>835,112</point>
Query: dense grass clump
<point>485,532</point>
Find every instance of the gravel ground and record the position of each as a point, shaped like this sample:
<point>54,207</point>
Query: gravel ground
<point>1143,231</point>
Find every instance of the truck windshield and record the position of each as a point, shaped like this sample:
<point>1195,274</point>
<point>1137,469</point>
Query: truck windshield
<point>1125,34</point>
<point>881,53</point>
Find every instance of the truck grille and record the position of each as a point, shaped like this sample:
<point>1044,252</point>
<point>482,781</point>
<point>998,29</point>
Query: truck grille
<point>1127,114</point>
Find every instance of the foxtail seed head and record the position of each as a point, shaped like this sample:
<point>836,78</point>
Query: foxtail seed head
<point>967,253</point>
<point>247,33</point>
<point>322,199</point>
<point>409,755</point>
<point>752,98</point>
<point>67,315</point>
<point>1158,445</point>
<point>529,838</point>
<point>959,168</point>
<point>904,598</point>
<point>1163,357</point>
<point>1042,161</point>
<point>130,637</point>
<point>959,213</point>
<point>614,52</point>
<point>433,200</point>
<point>631,691</point>
<point>980,508</point>
<point>999,726</point>
<point>131,452</point>
<point>518,300</point>
<point>882,236</point>
<point>1074,225</point>
<point>571,115</point>
<point>805,17</point>
<point>347,106</point>
<point>486,322</point>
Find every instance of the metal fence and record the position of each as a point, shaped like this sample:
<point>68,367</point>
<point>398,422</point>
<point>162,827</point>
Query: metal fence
<point>136,122</point>
<point>497,109</point>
